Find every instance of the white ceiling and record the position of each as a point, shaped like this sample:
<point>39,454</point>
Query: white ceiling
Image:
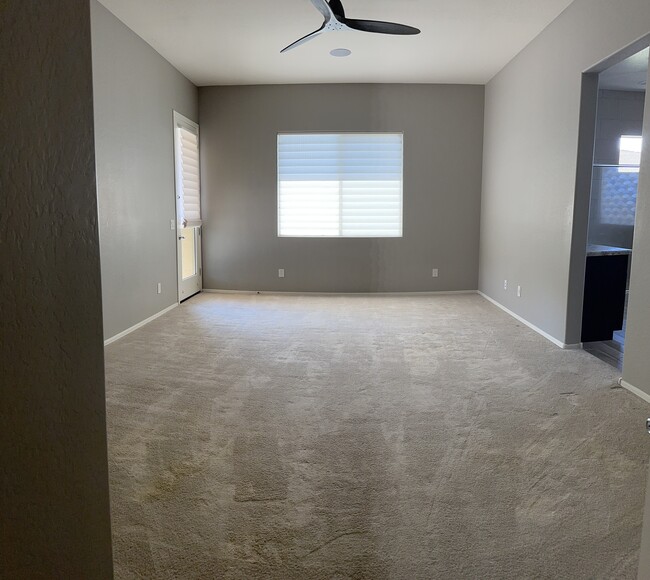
<point>228,42</point>
<point>628,75</point>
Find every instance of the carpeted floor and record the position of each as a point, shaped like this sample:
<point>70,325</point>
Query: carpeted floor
<point>291,437</point>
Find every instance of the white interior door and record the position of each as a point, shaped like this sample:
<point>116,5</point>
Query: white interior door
<point>188,206</point>
<point>190,279</point>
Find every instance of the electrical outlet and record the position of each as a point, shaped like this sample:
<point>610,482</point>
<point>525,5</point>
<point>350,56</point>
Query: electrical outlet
<point>172,224</point>
<point>505,284</point>
<point>518,291</point>
<point>434,273</point>
<point>281,273</point>
<point>159,288</point>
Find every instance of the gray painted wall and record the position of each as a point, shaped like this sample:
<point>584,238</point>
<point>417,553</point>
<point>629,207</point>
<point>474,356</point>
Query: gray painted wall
<point>54,510</point>
<point>636,369</point>
<point>135,93</point>
<point>529,170</point>
<point>443,135</point>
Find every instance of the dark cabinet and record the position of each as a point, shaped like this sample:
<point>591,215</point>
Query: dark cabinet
<point>604,300</point>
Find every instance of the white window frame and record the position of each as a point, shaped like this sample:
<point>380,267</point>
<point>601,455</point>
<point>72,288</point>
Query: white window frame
<point>182,122</point>
<point>374,237</point>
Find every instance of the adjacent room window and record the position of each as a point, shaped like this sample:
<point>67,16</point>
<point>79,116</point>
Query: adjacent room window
<point>630,153</point>
<point>345,185</point>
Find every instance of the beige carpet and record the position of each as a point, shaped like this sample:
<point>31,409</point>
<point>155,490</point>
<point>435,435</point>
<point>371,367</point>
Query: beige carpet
<point>368,437</point>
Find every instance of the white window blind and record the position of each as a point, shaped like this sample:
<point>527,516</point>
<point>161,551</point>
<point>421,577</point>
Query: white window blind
<point>188,178</point>
<point>340,185</point>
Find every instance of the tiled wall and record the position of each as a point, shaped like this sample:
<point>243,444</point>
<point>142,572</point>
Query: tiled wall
<point>617,190</point>
<point>614,193</point>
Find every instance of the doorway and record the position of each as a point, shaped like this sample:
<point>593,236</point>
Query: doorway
<point>188,207</point>
<point>610,132</point>
<point>612,207</point>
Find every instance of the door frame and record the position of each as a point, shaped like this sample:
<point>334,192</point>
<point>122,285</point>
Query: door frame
<point>180,120</point>
<point>582,199</point>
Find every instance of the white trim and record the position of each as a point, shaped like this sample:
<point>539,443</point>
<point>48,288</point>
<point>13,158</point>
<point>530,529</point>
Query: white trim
<point>273,293</point>
<point>577,346</point>
<point>180,121</point>
<point>210,291</point>
<point>139,325</point>
<point>634,390</point>
<point>530,325</point>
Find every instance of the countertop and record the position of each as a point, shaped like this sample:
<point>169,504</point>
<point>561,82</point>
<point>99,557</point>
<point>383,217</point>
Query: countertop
<point>596,250</point>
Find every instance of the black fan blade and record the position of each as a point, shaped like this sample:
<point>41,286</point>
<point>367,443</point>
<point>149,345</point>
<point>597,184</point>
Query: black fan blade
<point>304,39</point>
<point>337,8</point>
<point>380,27</point>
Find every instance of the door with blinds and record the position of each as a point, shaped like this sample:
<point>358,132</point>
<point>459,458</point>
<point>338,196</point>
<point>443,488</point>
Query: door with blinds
<point>188,206</point>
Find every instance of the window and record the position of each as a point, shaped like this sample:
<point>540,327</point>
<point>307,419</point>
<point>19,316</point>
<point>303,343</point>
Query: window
<point>630,153</point>
<point>346,185</point>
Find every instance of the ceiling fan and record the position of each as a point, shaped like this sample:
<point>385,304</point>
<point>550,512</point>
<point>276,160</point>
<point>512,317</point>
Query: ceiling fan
<point>335,19</point>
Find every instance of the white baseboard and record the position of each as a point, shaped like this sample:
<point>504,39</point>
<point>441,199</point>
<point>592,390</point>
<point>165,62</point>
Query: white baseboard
<point>211,291</point>
<point>638,392</point>
<point>273,293</point>
<point>530,325</point>
<point>577,346</point>
<point>139,325</point>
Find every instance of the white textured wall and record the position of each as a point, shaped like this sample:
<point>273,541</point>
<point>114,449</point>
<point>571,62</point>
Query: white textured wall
<point>136,91</point>
<point>54,510</point>
<point>530,157</point>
